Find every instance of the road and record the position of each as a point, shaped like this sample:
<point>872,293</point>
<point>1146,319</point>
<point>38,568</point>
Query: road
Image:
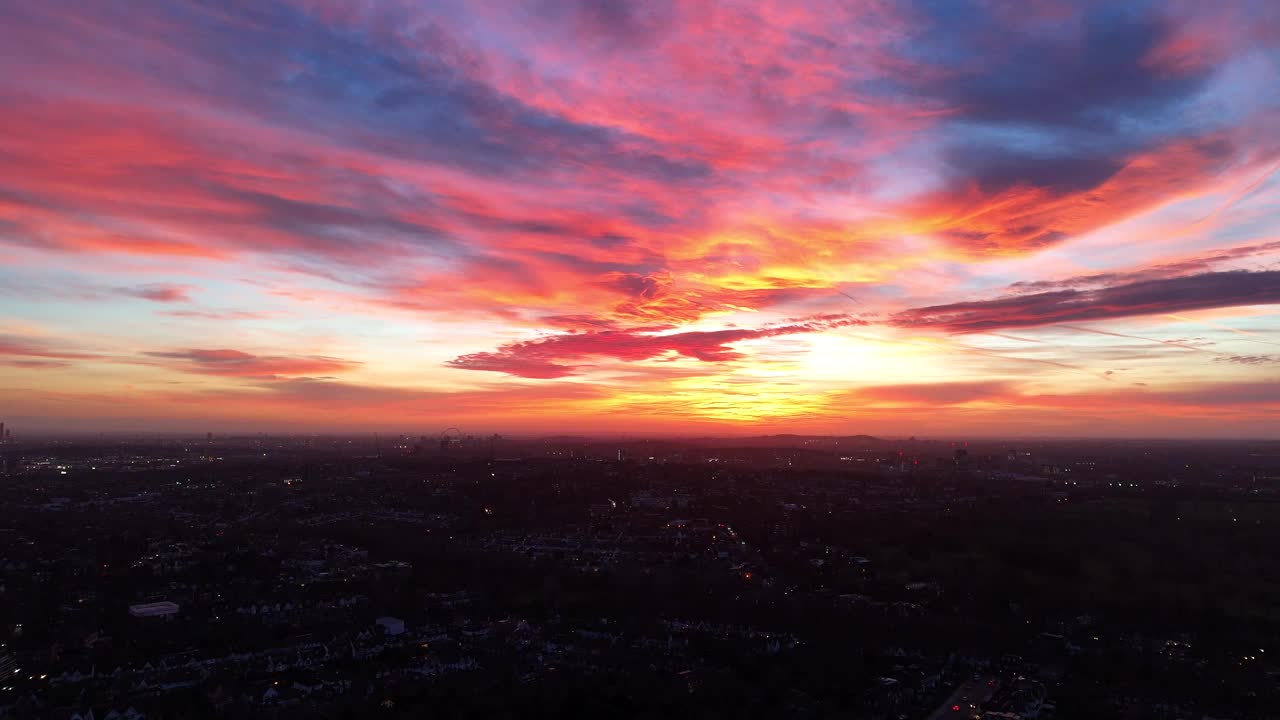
<point>971,693</point>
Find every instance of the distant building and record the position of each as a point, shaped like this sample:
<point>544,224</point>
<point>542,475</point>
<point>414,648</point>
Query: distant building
<point>163,608</point>
<point>392,626</point>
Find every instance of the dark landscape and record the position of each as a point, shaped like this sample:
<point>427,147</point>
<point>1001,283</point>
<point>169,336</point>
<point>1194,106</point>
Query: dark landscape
<point>457,577</point>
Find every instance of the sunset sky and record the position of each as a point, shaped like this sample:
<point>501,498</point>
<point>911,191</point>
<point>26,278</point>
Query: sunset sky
<point>934,218</point>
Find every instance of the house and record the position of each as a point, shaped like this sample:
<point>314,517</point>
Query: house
<point>390,625</point>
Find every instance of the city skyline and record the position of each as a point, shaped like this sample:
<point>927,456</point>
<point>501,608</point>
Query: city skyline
<point>661,218</point>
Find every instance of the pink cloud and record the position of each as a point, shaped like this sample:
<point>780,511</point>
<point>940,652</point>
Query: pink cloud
<point>236,363</point>
<point>158,293</point>
<point>548,357</point>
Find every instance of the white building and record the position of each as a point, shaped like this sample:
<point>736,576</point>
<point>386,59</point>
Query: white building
<point>164,608</point>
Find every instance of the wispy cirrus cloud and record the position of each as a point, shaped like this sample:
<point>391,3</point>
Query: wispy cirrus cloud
<point>1249,359</point>
<point>237,363</point>
<point>31,364</point>
<point>158,293</point>
<point>26,347</point>
<point>937,394</point>
<point>1143,297</point>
